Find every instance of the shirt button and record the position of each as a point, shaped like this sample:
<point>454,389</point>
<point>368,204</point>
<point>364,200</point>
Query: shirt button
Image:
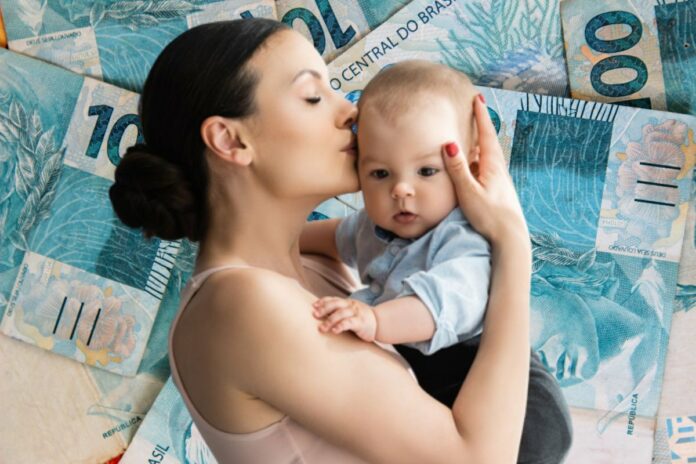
<point>394,250</point>
<point>375,287</point>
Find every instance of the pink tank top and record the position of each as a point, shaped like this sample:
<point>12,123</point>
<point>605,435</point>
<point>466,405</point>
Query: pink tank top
<point>283,442</point>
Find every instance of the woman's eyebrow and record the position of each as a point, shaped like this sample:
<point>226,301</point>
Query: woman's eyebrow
<point>313,72</point>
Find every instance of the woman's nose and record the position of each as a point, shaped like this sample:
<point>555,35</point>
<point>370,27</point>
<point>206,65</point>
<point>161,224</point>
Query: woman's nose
<point>348,114</point>
<point>402,190</point>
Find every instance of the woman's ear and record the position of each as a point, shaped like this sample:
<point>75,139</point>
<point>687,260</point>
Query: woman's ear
<point>223,137</point>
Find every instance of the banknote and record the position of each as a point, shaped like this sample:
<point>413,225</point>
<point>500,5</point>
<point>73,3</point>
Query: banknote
<point>678,403</point>
<point>113,40</point>
<point>509,44</point>
<point>634,53</point>
<point>73,289</point>
<point>87,414</point>
<point>101,294</point>
<point>168,434</point>
<point>334,25</point>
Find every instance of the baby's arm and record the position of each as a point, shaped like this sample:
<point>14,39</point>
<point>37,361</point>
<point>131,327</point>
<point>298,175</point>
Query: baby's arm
<point>318,237</point>
<point>400,320</point>
<point>454,288</point>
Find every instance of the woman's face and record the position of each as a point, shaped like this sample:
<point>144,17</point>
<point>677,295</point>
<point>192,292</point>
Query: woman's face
<point>301,131</point>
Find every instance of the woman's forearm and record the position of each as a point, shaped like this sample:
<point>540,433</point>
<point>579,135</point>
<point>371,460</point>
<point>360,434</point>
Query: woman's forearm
<point>318,237</point>
<point>490,407</point>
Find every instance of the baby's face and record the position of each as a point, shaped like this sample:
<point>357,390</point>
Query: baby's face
<point>402,175</point>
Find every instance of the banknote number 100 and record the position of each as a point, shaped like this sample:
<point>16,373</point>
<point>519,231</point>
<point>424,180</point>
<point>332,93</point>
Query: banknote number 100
<point>617,61</point>
<point>103,114</point>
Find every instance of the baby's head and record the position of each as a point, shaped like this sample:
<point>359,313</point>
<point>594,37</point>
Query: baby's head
<point>407,112</point>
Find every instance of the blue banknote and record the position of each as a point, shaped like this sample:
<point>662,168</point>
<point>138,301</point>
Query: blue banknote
<point>168,431</point>
<point>73,278</point>
<point>678,402</point>
<point>635,53</point>
<point>70,285</point>
<point>509,44</point>
<point>113,40</point>
<point>334,25</point>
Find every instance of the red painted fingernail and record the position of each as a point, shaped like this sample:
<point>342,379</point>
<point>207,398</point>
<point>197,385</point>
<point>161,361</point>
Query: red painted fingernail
<point>482,98</point>
<point>451,149</point>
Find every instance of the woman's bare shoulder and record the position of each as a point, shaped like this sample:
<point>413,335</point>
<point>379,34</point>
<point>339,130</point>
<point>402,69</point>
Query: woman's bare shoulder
<point>246,305</point>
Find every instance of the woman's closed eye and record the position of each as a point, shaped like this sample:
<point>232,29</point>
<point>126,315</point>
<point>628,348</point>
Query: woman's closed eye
<point>313,100</point>
<point>428,171</point>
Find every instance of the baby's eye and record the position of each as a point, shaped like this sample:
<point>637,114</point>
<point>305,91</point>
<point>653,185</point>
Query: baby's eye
<point>427,172</point>
<point>313,100</point>
<point>379,173</point>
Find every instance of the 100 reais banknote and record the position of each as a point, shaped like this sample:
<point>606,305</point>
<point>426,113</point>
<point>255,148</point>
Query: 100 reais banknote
<point>638,53</point>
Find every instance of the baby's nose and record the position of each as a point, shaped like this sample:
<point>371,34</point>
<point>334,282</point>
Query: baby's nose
<point>402,189</point>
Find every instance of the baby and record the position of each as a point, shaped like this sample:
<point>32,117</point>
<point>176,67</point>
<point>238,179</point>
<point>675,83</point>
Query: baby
<point>426,269</point>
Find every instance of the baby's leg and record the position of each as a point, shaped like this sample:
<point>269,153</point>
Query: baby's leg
<point>547,432</point>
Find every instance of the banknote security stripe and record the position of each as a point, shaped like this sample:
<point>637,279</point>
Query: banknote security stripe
<point>675,26</point>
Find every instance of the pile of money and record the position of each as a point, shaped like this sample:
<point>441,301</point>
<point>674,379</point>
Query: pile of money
<point>606,180</point>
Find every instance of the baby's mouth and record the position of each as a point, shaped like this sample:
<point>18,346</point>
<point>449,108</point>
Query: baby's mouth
<point>405,217</point>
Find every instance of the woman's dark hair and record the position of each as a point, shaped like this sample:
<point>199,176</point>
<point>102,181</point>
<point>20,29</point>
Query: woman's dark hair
<point>162,185</point>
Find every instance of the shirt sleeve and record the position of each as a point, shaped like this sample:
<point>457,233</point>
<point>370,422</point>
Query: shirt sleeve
<point>454,288</point>
<point>347,237</point>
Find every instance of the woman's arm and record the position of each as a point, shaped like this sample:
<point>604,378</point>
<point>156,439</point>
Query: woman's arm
<point>319,237</point>
<point>492,399</point>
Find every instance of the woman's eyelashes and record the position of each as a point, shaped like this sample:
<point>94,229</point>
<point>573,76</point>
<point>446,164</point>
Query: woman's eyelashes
<point>313,100</point>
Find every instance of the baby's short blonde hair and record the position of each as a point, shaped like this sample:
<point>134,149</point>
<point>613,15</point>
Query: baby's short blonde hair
<point>397,90</point>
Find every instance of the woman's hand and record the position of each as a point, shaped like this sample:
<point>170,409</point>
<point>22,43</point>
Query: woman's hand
<point>346,314</point>
<point>484,188</point>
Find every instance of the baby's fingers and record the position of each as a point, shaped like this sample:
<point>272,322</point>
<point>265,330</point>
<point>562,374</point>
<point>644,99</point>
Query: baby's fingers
<point>336,317</point>
<point>327,305</point>
<point>346,324</point>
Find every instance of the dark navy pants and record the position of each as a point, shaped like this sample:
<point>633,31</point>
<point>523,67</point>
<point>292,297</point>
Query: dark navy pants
<point>547,432</point>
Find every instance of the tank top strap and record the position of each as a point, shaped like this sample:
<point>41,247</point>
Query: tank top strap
<point>196,280</point>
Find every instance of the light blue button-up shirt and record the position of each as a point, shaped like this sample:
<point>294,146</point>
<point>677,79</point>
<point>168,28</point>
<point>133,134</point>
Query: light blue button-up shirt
<point>447,268</point>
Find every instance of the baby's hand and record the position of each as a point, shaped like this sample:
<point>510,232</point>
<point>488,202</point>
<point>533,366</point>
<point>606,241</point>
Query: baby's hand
<point>346,314</point>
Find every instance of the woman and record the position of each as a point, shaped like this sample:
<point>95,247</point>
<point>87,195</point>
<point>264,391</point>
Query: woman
<point>244,139</point>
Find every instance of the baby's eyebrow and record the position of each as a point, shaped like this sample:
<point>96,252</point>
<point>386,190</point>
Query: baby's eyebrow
<point>428,155</point>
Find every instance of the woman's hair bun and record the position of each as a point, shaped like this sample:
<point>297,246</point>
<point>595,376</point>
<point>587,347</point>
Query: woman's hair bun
<point>152,193</point>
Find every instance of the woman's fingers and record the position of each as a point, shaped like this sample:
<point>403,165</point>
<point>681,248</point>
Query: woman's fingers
<point>489,147</point>
<point>457,167</point>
